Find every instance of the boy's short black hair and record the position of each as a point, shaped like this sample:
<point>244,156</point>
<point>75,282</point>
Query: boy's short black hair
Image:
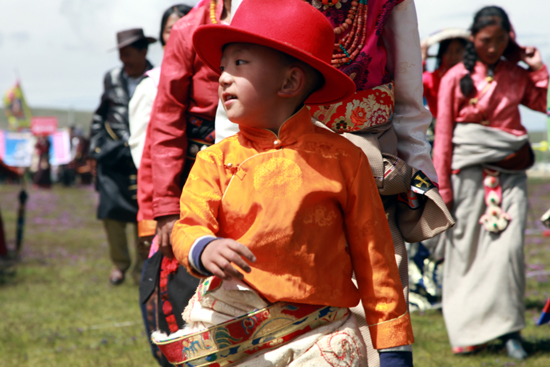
<point>315,80</point>
<point>141,44</point>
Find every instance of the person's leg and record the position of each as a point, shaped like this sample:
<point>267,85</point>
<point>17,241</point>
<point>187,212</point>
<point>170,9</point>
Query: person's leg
<point>118,248</point>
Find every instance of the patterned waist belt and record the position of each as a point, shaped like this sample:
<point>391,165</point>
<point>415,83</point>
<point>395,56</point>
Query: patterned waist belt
<point>201,135</point>
<point>232,341</point>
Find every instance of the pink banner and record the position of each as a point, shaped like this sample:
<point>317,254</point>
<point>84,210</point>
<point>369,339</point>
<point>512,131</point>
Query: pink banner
<point>60,153</point>
<point>43,125</point>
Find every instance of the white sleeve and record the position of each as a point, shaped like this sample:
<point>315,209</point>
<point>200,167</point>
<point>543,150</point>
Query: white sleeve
<point>139,113</point>
<point>235,5</point>
<point>411,119</point>
<point>224,127</point>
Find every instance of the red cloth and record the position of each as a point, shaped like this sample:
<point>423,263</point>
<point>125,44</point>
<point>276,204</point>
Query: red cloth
<point>368,70</point>
<point>187,87</point>
<point>8,170</point>
<point>431,81</point>
<point>512,86</point>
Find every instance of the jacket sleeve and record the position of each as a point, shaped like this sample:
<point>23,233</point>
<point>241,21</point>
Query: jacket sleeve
<point>200,201</point>
<point>168,122</point>
<point>411,118</point>
<point>535,96</point>
<point>97,127</point>
<point>373,258</point>
<point>443,144</point>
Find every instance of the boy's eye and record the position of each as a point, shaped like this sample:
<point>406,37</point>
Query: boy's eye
<point>222,68</point>
<point>240,62</point>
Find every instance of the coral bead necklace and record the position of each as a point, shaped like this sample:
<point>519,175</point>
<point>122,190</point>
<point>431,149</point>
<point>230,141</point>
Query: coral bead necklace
<point>347,47</point>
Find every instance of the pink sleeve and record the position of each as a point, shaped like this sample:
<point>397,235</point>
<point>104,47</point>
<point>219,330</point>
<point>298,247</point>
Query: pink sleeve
<point>443,146</point>
<point>537,90</point>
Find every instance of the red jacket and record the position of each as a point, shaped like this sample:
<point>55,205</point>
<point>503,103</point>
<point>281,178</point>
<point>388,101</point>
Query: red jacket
<point>187,88</point>
<point>431,81</point>
<point>499,105</point>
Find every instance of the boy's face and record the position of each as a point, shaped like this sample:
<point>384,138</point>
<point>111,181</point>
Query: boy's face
<point>251,77</point>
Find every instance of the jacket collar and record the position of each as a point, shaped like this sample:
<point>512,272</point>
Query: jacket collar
<point>124,77</point>
<point>290,131</point>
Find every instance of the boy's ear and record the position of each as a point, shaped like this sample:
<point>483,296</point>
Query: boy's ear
<point>293,83</point>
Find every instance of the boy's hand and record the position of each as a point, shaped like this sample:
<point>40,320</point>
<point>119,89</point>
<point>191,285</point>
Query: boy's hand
<point>218,255</point>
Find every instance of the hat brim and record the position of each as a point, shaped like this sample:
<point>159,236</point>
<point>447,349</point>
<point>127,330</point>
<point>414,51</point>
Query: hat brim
<point>129,41</point>
<point>210,39</point>
<point>445,34</point>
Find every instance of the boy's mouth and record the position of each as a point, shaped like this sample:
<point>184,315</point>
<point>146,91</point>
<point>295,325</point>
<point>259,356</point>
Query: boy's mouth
<point>228,97</point>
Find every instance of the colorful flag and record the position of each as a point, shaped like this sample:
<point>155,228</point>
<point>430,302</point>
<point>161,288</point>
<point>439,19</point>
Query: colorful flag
<point>545,315</point>
<point>16,108</point>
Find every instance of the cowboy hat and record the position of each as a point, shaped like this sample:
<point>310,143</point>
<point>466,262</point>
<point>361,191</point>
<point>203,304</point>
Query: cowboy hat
<point>129,36</point>
<point>293,27</point>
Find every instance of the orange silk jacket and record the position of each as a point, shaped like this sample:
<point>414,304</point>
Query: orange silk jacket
<point>306,204</point>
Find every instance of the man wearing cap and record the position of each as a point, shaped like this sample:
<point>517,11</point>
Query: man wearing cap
<point>111,160</point>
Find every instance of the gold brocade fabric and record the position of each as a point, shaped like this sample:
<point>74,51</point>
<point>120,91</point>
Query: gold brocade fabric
<point>304,201</point>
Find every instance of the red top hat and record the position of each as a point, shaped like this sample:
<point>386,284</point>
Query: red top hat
<point>290,26</point>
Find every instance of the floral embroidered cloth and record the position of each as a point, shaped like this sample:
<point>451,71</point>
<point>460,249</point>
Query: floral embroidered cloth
<point>366,109</point>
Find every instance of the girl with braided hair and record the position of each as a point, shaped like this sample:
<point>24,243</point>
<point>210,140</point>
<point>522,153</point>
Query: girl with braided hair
<point>481,153</point>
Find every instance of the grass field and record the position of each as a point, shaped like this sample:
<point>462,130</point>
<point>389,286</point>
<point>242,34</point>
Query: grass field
<point>58,308</point>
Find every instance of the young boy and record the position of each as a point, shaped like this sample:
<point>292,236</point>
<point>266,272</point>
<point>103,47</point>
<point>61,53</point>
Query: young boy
<point>293,205</point>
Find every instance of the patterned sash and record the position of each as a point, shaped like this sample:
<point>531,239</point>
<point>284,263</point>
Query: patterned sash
<point>241,337</point>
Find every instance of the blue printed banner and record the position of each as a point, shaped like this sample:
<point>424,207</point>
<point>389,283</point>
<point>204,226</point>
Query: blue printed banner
<point>17,148</point>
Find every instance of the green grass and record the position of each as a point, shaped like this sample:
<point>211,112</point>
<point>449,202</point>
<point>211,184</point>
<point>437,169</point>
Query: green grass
<point>58,309</point>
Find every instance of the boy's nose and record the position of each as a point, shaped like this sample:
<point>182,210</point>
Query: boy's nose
<point>225,79</point>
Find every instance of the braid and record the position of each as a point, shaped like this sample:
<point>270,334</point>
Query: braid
<point>470,57</point>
